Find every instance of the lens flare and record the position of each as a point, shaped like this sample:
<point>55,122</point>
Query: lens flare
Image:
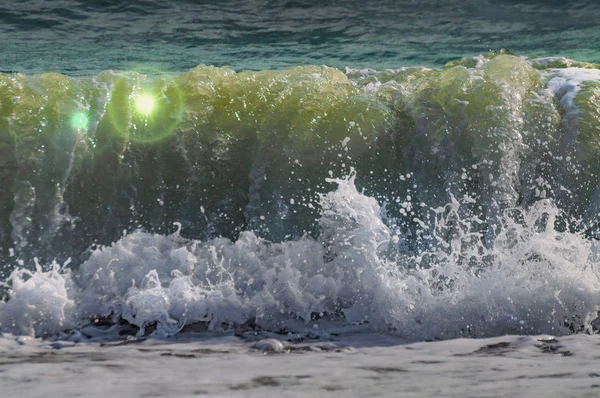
<point>144,108</point>
<point>80,121</point>
<point>144,104</point>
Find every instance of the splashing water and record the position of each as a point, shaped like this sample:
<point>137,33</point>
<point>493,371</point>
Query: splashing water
<point>470,208</point>
<point>532,279</point>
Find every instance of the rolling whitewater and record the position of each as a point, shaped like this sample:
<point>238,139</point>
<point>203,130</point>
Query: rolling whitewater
<point>393,223</point>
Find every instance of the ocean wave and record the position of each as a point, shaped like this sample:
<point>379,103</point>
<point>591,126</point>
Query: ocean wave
<point>470,209</point>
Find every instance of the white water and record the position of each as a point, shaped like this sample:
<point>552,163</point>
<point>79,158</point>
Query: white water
<point>532,279</point>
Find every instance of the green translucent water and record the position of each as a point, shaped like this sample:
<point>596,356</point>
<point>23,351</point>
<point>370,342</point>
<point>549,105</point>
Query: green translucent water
<point>84,159</point>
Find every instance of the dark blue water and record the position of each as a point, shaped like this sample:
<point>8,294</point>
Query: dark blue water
<point>79,37</point>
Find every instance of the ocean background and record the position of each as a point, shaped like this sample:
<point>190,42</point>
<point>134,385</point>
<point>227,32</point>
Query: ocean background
<point>82,38</point>
<point>325,196</point>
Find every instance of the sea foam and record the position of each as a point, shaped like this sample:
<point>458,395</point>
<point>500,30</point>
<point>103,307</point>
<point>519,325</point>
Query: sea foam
<point>537,280</point>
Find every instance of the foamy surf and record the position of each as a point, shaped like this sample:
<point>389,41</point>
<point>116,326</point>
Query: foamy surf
<point>532,279</point>
<point>424,203</point>
<point>190,204</point>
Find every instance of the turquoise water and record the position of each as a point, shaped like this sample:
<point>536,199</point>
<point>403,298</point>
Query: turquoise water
<point>81,38</point>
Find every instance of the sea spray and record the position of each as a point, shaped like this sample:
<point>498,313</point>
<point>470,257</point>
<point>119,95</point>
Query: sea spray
<point>469,209</point>
<point>536,280</point>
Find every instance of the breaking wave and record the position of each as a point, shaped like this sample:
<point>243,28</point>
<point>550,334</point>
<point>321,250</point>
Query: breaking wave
<point>469,206</point>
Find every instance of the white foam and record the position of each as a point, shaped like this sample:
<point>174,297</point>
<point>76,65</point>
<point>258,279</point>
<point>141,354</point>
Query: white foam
<point>533,279</point>
<point>40,302</point>
<point>565,85</point>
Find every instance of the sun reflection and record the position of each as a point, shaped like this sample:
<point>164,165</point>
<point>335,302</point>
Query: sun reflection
<point>80,121</point>
<point>144,104</point>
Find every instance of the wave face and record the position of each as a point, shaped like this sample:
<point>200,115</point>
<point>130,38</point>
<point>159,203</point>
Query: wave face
<point>432,203</point>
